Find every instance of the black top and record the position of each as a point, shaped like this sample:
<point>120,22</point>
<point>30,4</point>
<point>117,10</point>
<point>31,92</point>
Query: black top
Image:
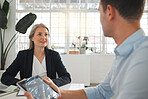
<point>23,64</point>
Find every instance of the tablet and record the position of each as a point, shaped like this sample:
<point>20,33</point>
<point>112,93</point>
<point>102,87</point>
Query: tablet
<point>38,88</point>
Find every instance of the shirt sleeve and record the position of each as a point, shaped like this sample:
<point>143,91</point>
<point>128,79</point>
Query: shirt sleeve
<point>102,91</point>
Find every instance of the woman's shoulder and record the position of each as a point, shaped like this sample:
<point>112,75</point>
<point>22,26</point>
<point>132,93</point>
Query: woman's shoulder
<point>25,51</point>
<point>50,51</point>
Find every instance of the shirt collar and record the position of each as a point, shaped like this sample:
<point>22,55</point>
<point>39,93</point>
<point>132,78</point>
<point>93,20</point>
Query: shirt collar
<point>127,46</point>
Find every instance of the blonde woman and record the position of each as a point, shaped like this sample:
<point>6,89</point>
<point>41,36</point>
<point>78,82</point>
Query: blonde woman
<point>37,60</point>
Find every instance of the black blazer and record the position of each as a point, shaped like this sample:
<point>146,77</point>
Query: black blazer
<point>23,64</point>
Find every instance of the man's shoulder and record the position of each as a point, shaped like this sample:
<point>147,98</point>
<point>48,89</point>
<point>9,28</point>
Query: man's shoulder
<point>143,43</point>
<point>140,51</point>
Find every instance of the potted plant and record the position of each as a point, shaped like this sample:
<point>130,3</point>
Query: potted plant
<point>83,47</point>
<point>74,51</point>
<point>21,27</point>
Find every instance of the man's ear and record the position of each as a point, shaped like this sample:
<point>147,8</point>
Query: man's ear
<point>110,12</point>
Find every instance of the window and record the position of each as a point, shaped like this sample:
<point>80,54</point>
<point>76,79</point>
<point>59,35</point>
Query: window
<point>144,20</point>
<point>67,20</point>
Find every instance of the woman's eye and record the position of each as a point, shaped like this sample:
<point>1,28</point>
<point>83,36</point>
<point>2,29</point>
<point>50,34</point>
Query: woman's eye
<point>46,34</point>
<point>39,34</point>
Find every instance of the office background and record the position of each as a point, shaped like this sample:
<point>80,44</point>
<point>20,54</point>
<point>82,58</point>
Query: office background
<point>67,20</point>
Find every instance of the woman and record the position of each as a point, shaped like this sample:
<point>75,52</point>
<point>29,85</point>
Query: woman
<point>37,60</point>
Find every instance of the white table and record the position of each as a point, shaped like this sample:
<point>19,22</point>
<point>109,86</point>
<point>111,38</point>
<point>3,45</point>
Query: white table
<point>72,86</point>
<point>79,67</point>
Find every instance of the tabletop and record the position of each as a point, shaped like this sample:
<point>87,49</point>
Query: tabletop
<point>71,86</point>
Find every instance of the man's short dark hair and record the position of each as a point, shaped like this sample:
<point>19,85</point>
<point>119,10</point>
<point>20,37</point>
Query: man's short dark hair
<point>128,9</point>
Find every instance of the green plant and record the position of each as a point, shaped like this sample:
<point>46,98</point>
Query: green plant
<point>84,44</point>
<point>21,27</point>
<point>74,45</point>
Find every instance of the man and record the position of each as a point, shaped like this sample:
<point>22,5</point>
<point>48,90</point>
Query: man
<point>127,78</point>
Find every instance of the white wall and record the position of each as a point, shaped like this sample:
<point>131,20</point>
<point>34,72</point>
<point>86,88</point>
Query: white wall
<point>88,68</point>
<point>99,67</point>
<point>79,67</point>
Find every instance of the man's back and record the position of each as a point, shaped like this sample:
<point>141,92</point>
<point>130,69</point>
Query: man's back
<point>130,67</point>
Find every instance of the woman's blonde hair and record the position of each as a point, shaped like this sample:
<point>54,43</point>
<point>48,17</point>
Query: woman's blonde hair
<point>32,32</point>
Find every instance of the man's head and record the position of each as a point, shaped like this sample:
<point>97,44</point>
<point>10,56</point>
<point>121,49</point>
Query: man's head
<point>119,16</point>
<point>128,9</point>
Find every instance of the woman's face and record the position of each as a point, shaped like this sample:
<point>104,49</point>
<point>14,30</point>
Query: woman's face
<point>40,37</point>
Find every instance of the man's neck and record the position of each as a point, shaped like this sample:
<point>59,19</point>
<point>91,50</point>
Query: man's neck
<point>124,31</point>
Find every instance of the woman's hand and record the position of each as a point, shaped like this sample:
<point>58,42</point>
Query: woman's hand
<point>28,95</point>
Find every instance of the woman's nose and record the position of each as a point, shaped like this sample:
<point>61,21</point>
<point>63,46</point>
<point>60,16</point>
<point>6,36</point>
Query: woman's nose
<point>43,36</point>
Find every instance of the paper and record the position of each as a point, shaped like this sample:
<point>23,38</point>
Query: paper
<point>8,90</point>
<point>11,88</point>
<point>20,92</point>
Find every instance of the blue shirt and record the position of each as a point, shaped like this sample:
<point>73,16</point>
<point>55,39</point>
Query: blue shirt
<point>128,77</point>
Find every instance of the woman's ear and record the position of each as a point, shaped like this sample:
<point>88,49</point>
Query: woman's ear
<point>31,39</point>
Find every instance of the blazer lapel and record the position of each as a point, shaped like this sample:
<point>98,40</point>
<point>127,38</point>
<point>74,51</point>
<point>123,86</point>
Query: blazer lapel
<point>29,63</point>
<point>48,62</point>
